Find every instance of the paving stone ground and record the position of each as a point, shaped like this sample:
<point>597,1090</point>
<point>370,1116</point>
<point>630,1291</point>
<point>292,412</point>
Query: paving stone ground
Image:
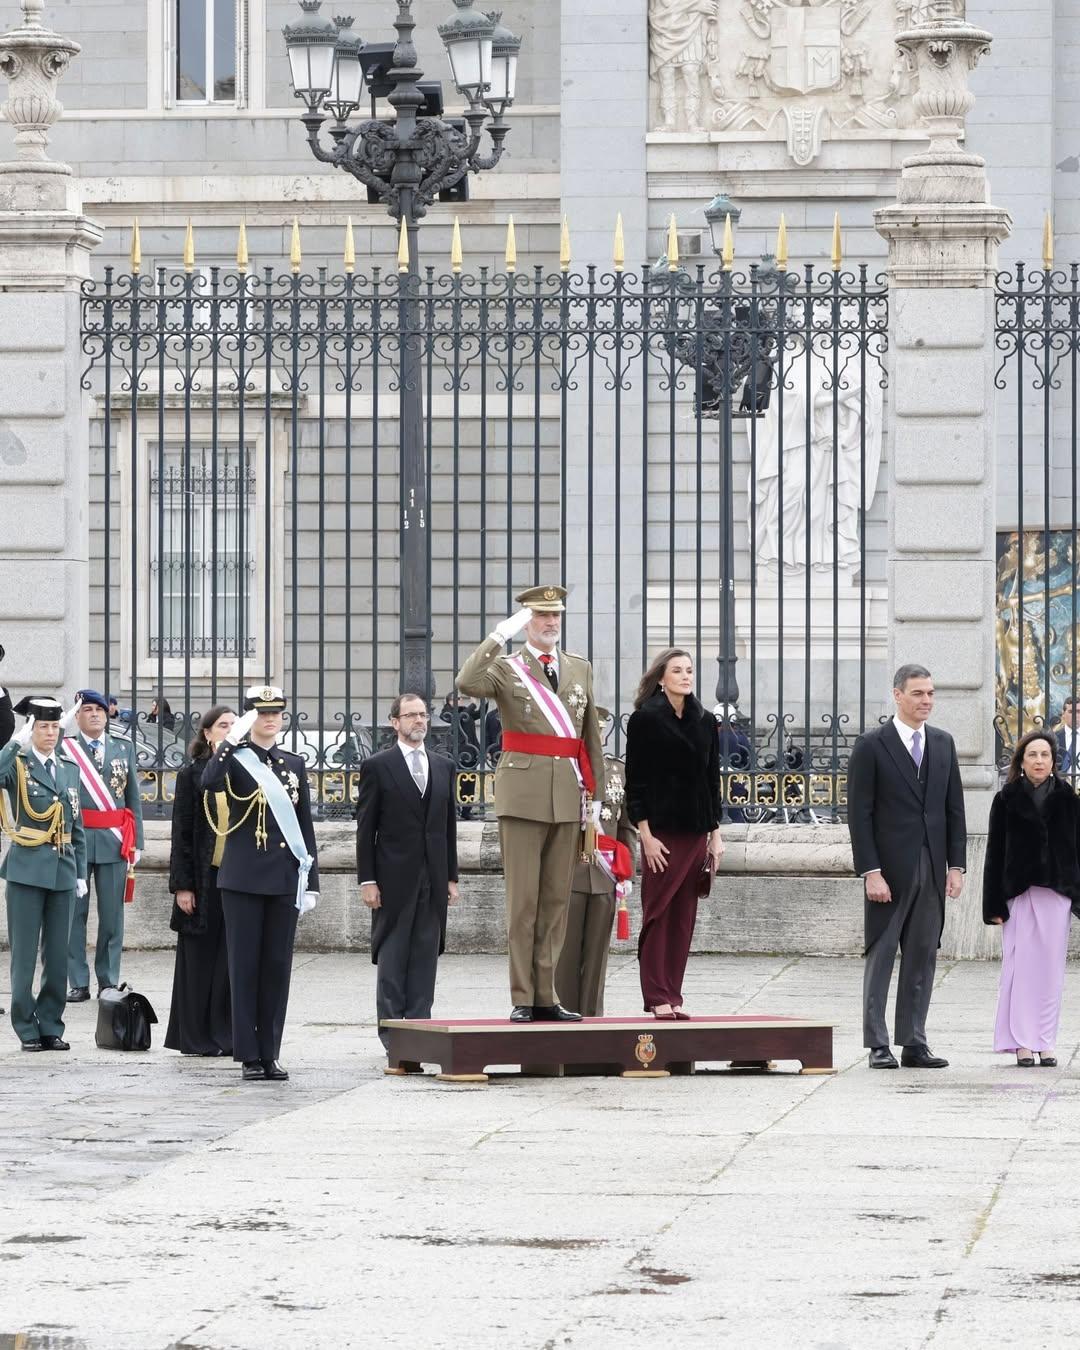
<point>157,1203</point>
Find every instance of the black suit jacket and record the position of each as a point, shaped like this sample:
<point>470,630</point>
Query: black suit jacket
<point>397,830</point>
<point>1064,758</point>
<point>890,820</point>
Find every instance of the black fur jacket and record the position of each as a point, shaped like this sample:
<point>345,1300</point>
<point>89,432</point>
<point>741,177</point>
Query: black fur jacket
<point>1027,848</point>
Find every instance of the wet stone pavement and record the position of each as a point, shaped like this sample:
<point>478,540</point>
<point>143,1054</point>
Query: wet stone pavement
<point>151,1202</point>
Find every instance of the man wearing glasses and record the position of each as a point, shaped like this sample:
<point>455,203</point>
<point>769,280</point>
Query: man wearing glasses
<point>406,862</point>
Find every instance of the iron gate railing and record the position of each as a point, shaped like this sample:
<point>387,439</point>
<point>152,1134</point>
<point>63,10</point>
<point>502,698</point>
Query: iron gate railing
<point>695,453</point>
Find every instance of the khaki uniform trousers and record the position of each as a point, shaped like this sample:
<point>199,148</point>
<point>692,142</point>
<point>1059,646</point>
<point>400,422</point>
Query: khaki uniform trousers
<point>582,968</point>
<point>538,864</point>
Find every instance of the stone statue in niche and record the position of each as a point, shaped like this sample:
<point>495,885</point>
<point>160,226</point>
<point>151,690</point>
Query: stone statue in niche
<point>809,482</point>
<point>683,47</point>
<point>806,68</point>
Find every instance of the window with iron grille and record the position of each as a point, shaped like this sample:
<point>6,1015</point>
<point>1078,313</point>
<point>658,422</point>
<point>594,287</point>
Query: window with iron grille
<point>202,550</point>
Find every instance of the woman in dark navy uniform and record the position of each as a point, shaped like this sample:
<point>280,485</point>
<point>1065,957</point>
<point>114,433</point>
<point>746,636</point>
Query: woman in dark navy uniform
<point>262,881</point>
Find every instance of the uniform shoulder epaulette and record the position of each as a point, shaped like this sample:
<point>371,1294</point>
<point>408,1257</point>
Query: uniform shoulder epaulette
<point>575,656</point>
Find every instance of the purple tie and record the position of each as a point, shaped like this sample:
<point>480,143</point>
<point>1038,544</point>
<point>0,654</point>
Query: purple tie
<point>916,749</point>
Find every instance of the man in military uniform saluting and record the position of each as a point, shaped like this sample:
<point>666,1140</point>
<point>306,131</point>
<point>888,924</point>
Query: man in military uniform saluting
<point>582,968</point>
<point>112,817</point>
<point>268,874</point>
<point>45,869</point>
<point>550,769</point>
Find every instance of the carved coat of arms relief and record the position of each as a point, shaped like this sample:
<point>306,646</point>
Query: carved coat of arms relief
<point>816,67</point>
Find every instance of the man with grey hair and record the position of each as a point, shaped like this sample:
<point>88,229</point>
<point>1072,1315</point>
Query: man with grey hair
<point>909,844</point>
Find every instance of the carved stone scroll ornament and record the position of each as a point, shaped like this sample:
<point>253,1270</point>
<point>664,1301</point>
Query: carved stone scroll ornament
<point>33,58</point>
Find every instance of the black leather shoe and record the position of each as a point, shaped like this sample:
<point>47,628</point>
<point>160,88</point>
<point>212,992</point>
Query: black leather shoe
<point>253,1071</point>
<point>274,1071</point>
<point>1047,1061</point>
<point>80,994</point>
<point>522,1013</point>
<point>54,1043</point>
<point>881,1057</point>
<point>556,1013</point>
<point>32,1045</point>
<point>919,1057</point>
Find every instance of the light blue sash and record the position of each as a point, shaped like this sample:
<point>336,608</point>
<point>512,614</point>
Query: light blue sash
<point>280,803</point>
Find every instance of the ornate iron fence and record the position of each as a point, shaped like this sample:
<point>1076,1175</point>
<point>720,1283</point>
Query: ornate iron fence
<point>696,453</point>
<point>1038,338</point>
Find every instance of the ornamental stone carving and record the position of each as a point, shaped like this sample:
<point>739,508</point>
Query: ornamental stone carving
<point>807,68</point>
<point>33,58</point>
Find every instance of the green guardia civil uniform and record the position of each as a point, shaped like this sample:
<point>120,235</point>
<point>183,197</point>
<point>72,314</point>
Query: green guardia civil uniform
<point>45,859</point>
<point>582,968</point>
<point>537,802</point>
<point>115,760</point>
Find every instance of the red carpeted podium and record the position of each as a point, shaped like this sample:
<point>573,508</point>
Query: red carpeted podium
<point>633,1047</point>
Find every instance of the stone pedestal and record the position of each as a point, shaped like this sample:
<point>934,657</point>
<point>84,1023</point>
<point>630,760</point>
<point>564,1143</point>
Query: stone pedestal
<point>943,238</point>
<point>45,245</point>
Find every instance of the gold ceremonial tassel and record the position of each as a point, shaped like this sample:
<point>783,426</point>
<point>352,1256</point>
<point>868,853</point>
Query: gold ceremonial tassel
<point>350,249</point>
<point>295,256</point>
<point>672,245</point>
<point>403,248</point>
<point>455,248</point>
<point>781,244</point>
<point>136,247</point>
<point>619,251</point>
<point>511,245</point>
<point>727,252</point>
<point>242,249</point>
<point>588,832</point>
<point>837,244</point>
<point>564,245</point>
<point>189,249</point>
<point>1048,241</point>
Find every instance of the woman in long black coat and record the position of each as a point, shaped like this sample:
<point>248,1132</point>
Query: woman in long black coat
<point>200,1021</point>
<point>673,797</point>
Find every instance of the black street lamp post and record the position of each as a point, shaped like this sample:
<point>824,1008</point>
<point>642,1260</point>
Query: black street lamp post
<point>405,162</point>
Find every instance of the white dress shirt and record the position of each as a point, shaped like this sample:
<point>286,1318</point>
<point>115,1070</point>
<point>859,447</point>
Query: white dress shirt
<point>907,733</point>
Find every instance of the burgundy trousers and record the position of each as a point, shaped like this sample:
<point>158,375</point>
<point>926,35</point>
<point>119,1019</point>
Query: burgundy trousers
<point>668,914</point>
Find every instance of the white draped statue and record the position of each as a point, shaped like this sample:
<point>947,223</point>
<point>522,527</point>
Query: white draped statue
<point>808,489</point>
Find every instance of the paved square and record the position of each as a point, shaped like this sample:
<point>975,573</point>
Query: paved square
<point>153,1201</point>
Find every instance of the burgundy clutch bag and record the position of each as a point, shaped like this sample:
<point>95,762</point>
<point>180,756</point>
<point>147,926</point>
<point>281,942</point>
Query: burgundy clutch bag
<point>705,877</point>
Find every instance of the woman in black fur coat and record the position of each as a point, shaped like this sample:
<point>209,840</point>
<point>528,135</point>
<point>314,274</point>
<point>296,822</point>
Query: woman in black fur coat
<point>200,1018</point>
<point>1031,885</point>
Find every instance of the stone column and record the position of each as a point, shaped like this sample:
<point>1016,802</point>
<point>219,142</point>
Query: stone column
<point>45,244</point>
<point>943,238</point>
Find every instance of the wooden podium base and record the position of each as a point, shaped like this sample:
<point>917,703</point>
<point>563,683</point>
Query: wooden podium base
<point>631,1047</point>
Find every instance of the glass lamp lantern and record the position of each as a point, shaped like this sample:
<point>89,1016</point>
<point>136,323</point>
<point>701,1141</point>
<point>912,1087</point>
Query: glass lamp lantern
<point>505,48</point>
<point>348,76</point>
<point>719,210</point>
<point>468,40</point>
<point>312,45</point>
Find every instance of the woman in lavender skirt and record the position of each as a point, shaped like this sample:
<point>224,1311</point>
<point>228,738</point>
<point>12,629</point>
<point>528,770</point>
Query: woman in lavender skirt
<point>1031,885</point>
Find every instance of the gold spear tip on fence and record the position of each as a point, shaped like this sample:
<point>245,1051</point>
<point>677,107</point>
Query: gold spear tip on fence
<point>403,248</point>
<point>564,245</point>
<point>837,244</point>
<point>295,255</point>
<point>242,249</point>
<point>672,245</point>
<point>350,249</point>
<point>1048,241</point>
<point>781,244</point>
<point>619,250</point>
<point>189,249</point>
<point>511,245</point>
<point>136,246</point>
<point>727,252</point>
<point>455,248</point>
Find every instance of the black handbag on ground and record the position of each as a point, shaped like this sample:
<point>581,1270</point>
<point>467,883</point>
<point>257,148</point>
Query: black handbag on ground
<point>123,1020</point>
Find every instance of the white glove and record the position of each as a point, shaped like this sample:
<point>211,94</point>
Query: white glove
<point>67,721</point>
<point>242,726</point>
<point>308,901</point>
<point>22,736</point>
<point>594,814</point>
<point>81,888</point>
<point>509,628</point>
<point>138,855</point>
